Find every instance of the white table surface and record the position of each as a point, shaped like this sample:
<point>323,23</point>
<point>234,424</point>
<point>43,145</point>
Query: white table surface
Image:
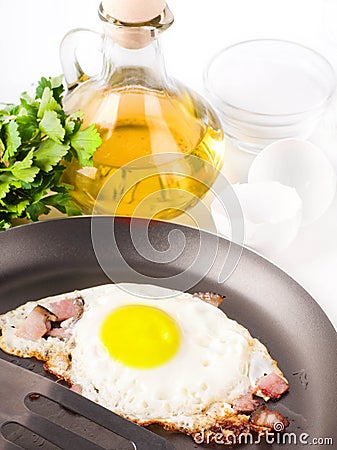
<point>31,32</point>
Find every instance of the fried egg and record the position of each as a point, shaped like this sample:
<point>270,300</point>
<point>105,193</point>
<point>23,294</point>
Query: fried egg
<point>175,360</point>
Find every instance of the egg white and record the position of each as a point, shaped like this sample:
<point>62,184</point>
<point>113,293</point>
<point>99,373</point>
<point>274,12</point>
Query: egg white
<point>217,361</point>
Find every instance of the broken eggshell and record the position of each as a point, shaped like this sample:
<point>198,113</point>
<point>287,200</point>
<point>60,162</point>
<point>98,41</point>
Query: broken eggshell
<point>300,165</point>
<point>272,215</point>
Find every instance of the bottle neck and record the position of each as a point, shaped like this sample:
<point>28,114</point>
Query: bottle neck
<point>124,66</point>
<point>132,53</point>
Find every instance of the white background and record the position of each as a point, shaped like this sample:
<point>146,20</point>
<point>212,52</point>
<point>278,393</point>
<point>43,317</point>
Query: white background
<point>30,33</point>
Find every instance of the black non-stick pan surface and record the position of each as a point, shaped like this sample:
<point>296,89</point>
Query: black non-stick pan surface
<point>52,257</point>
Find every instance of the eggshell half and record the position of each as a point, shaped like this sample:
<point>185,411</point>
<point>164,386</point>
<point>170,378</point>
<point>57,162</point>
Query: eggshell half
<point>300,165</point>
<point>272,215</point>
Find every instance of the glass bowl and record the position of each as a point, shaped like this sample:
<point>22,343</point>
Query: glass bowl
<point>268,89</point>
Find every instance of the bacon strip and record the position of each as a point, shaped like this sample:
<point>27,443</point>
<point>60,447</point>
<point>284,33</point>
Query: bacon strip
<point>210,297</point>
<point>67,308</point>
<point>272,385</point>
<point>60,332</point>
<point>245,403</point>
<point>36,324</point>
<point>266,418</point>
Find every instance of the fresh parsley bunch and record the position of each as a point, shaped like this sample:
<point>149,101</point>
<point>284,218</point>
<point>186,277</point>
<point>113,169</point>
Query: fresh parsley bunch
<point>36,136</point>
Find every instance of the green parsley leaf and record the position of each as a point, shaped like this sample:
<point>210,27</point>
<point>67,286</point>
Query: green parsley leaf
<point>85,142</point>
<point>42,84</point>
<point>63,202</point>
<point>52,127</point>
<point>5,224</point>
<point>58,88</point>
<point>18,208</point>
<point>48,103</point>
<point>49,154</point>
<point>69,126</point>
<point>4,189</point>
<point>56,81</point>
<point>23,170</point>
<point>28,127</point>
<point>71,209</point>
<point>7,182</point>
<point>12,139</point>
<point>37,209</point>
<point>27,108</point>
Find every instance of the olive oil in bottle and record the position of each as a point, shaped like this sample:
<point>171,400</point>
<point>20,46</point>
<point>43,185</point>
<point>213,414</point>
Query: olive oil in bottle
<point>162,144</point>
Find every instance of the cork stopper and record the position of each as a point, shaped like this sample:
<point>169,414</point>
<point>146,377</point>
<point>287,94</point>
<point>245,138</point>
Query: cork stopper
<point>134,11</point>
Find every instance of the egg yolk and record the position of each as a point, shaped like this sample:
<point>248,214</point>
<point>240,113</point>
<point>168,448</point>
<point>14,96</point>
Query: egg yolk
<point>140,336</point>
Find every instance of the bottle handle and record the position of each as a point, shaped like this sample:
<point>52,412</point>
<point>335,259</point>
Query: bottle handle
<point>72,41</point>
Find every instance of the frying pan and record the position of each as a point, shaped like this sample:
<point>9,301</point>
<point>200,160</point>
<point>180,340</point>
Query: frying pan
<point>52,257</point>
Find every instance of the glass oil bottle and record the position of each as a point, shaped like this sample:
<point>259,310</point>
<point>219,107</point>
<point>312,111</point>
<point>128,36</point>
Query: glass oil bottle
<point>163,144</point>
